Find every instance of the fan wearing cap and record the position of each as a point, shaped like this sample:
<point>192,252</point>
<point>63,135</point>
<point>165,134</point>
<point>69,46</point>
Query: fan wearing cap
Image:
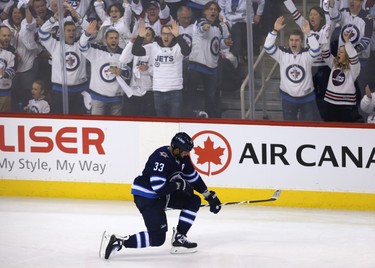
<point>168,180</point>
<point>155,14</point>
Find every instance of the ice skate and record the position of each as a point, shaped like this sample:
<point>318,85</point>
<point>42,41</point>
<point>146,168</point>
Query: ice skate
<point>180,244</point>
<point>110,244</point>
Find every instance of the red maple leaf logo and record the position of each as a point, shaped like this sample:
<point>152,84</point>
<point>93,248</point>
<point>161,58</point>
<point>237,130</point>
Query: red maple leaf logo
<point>209,154</point>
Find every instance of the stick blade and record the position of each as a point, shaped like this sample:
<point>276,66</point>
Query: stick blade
<point>276,194</point>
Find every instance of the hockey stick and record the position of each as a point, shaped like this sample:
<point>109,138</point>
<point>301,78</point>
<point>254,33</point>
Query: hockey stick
<point>274,197</point>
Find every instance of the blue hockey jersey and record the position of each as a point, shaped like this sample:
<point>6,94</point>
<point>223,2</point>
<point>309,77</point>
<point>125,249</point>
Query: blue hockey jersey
<point>161,166</point>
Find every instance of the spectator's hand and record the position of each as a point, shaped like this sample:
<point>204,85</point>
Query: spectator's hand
<point>142,29</point>
<point>279,23</point>
<point>306,27</point>
<point>346,36</point>
<point>331,3</point>
<point>368,91</point>
<point>228,41</point>
<point>91,28</point>
<point>143,67</point>
<point>115,70</point>
<point>39,21</point>
<point>256,19</point>
<point>206,26</point>
<point>3,16</point>
<point>175,29</point>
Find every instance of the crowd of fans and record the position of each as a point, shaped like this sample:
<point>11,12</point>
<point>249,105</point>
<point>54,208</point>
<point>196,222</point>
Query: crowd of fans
<point>173,58</point>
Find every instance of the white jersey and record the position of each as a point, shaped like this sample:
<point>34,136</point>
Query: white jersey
<point>360,27</point>
<point>322,35</point>
<point>206,45</point>
<point>7,64</point>
<point>187,33</point>
<point>341,89</point>
<point>140,82</point>
<point>38,106</point>
<point>102,81</point>
<point>166,65</point>
<point>368,106</point>
<point>26,57</point>
<point>295,69</point>
<point>75,62</point>
<point>239,15</point>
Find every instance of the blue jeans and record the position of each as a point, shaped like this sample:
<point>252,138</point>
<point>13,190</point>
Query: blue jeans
<point>210,92</point>
<point>300,111</point>
<point>169,103</point>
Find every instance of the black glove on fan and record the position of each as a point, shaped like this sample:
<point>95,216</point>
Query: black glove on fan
<point>214,202</point>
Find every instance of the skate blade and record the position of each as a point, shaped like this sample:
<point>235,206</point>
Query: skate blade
<point>104,243</point>
<point>183,250</point>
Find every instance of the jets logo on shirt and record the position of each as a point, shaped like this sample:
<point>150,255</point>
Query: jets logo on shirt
<point>215,46</point>
<point>164,154</point>
<point>74,3</point>
<point>338,78</point>
<point>105,73</point>
<point>163,59</point>
<point>353,31</point>
<point>295,73</point>
<point>72,61</point>
<point>34,109</point>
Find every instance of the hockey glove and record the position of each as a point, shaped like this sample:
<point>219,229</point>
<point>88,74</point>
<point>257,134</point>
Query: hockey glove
<point>183,185</point>
<point>214,201</point>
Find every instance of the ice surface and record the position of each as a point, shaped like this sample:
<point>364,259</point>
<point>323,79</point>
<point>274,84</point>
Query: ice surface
<point>66,233</point>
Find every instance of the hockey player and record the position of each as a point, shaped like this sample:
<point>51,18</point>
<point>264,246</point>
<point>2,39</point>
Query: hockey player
<point>296,84</point>
<point>167,181</point>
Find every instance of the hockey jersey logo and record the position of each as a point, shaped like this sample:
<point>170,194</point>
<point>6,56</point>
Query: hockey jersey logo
<point>72,61</point>
<point>353,31</point>
<point>34,109</point>
<point>105,73</point>
<point>295,73</point>
<point>74,3</point>
<point>188,39</point>
<point>215,46</point>
<point>338,78</point>
<point>3,64</point>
